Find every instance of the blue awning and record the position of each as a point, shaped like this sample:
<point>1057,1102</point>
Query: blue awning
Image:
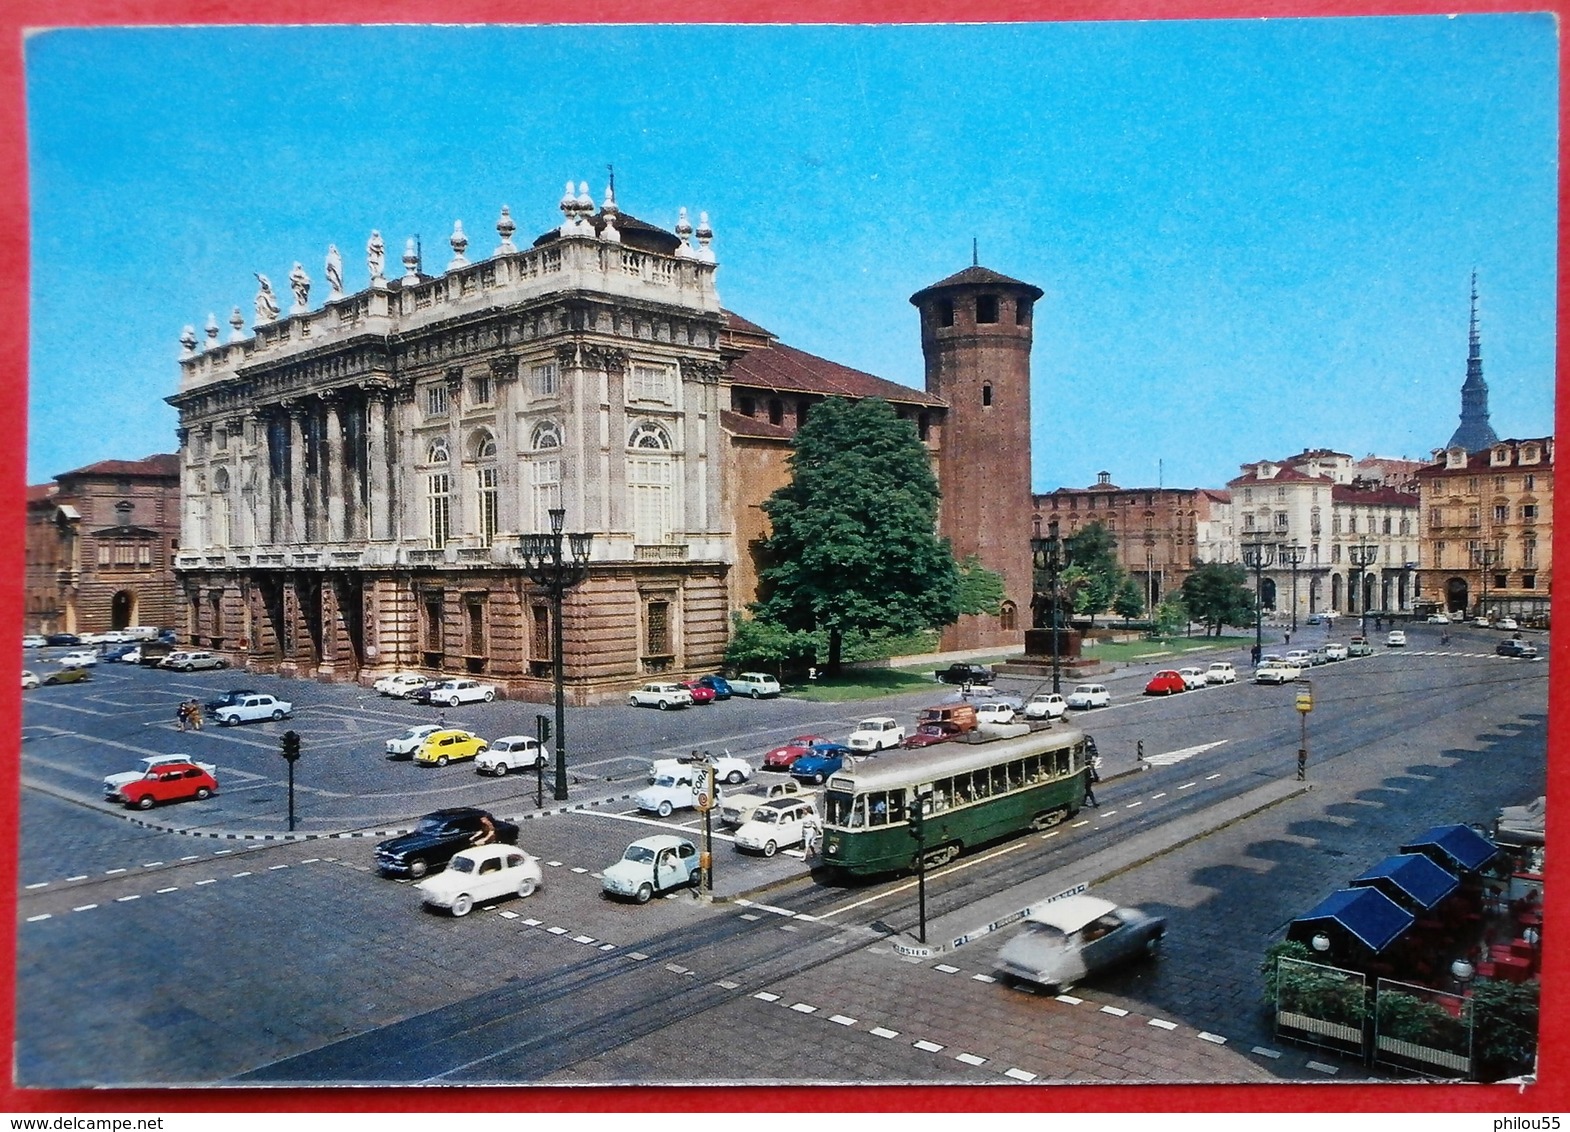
<point>1411,875</point>
<point>1369,915</point>
<point>1460,844</point>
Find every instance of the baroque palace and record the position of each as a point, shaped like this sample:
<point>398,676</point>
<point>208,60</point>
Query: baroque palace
<point>355,476</point>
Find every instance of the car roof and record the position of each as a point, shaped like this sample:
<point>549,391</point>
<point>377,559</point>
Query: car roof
<point>453,731</point>
<point>517,739</point>
<point>660,841</point>
<point>1071,913</point>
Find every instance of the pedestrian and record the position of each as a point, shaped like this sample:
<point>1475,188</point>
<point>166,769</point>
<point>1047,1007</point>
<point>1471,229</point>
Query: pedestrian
<point>1090,793</point>
<point>1288,637</point>
<point>1255,653</point>
<point>441,719</point>
<point>809,839</point>
<point>196,715</point>
<point>181,714</point>
<point>486,833</point>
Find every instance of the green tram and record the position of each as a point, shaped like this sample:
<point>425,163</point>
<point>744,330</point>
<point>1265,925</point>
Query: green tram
<point>980,792</point>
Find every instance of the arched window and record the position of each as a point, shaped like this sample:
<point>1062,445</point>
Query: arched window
<point>482,449</point>
<point>986,393</point>
<point>651,475</point>
<point>544,474</point>
<point>1008,616</point>
<point>482,445</point>
<point>437,452</point>
<point>222,528</point>
<point>547,434</point>
<point>648,434</point>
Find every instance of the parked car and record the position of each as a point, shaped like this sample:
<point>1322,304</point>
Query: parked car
<point>878,733</point>
<point>671,791</point>
<point>253,707</point>
<point>1507,623</point>
<point>777,825</point>
<point>1525,650</point>
<point>1395,639</point>
<point>1073,938</point>
<point>717,684</point>
<point>82,658</point>
<point>29,679</point>
<point>1193,677</point>
<point>119,654</point>
<point>929,734</point>
<point>781,757</point>
<point>1046,705</point>
<point>1359,646</point>
<point>960,673</point>
<point>513,752</point>
<point>400,684</point>
<point>663,695</point>
<point>1221,672</point>
<point>1165,682</point>
<point>57,639</point>
<point>699,693</point>
<point>403,747</point>
<point>33,641</point>
<point>1300,657</point>
<point>728,768</point>
<point>1438,619</point>
<point>455,692</point>
<point>448,745</point>
<point>1089,696</point>
<point>737,808</point>
<point>162,780</point>
<point>234,696</point>
<point>1334,650</point>
<point>755,684</point>
<point>1277,672</point>
<point>994,713</point>
<point>653,865</point>
<point>485,872</point>
<point>190,661</point>
<point>68,676</point>
<point>817,764</point>
<point>439,835</point>
<point>961,717</point>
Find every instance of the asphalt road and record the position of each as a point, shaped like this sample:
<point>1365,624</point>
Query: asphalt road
<point>155,957</point>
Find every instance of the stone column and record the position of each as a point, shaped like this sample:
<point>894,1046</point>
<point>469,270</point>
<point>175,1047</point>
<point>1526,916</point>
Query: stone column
<point>457,467</point>
<point>376,458</point>
<point>335,472</point>
<point>297,485</point>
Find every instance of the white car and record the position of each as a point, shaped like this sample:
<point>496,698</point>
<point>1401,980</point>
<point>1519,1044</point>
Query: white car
<point>995,713</point>
<point>33,641</point>
<point>403,746</point>
<point>737,808</point>
<point>29,679</point>
<point>653,865</point>
<point>190,661</point>
<point>1089,696</point>
<point>728,768</point>
<point>1277,672</point>
<point>663,695</point>
<point>400,684</point>
<point>1301,658</point>
<point>84,658</point>
<point>1508,623</point>
<point>1221,672</point>
<point>1046,705</point>
<point>1335,651</point>
<point>455,692</point>
<point>754,684</point>
<point>1193,678</point>
<point>671,792</point>
<point>485,872</point>
<point>512,752</point>
<point>252,708</point>
<point>1395,639</point>
<point>877,734</point>
<point>1438,619</point>
<point>777,825</point>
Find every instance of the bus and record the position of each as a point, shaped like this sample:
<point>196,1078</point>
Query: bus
<point>981,791</point>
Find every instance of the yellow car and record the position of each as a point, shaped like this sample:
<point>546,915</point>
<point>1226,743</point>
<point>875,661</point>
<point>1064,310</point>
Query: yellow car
<point>442,747</point>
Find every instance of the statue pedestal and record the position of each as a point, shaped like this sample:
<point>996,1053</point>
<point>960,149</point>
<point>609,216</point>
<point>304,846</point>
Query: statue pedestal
<point>1037,661</point>
<point>1038,643</point>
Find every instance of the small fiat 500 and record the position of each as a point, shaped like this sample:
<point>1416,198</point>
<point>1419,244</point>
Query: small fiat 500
<point>486,872</point>
<point>652,866</point>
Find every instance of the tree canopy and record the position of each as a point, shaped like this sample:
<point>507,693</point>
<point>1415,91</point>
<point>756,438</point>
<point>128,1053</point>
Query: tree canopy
<point>1217,594</point>
<point>854,545</point>
<point>1092,575</point>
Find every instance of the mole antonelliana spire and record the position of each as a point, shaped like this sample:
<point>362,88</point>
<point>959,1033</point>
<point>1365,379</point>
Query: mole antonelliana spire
<point>1474,433</point>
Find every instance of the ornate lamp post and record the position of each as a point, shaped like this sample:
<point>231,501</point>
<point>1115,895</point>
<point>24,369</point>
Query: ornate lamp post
<point>1257,555</point>
<point>1292,553</point>
<point>1362,555</point>
<point>1047,554</point>
<point>548,569</point>
<point>1484,557</point>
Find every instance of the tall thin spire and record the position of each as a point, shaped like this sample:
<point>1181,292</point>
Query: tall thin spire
<point>1474,433</point>
<point>975,252</point>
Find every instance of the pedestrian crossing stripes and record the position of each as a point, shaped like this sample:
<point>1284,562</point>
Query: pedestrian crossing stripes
<point>1169,758</point>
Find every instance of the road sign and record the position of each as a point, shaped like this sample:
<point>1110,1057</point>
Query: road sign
<point>705,803</point>
<point>1305,700</point>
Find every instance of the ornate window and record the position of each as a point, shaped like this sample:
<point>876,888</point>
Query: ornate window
<point>650,483</point>
<point>543,378</point>
<point>544,470</point>
<point>649,435</point>
<point>480,389</point>
<point>650,383</point>
<point>439,500</point>
<point>436,399</point>
<point>437,453</point>
<point>488,506</point>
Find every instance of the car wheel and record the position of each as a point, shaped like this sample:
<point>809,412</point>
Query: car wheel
<point>769,848</point>
<point>665,809</point>
<point>1153,945</point>
<point>757,695</point>
<point>227,721</point>
<point>632,701</point>
<point>735,777</point>
<point>644,894</point>
<point>186,667</point>
<point>418,868</point>
<point>202,793</point>
<point>145,802</point>
<point>696,879</point>
<point>441,760</point>
<point>817,779</point>
<point>222,664</point>
<point>526,887</point>
<point>277,714</point>
<point>499,770</point>
<point>665,705</point>
<point>462,904</point>
<point>453,701</point>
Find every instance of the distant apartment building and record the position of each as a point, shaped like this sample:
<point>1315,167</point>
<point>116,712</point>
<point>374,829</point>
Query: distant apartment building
<point>1488,528</point>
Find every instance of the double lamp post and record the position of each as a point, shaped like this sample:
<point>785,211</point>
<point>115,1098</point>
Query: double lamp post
<point>556,573</point>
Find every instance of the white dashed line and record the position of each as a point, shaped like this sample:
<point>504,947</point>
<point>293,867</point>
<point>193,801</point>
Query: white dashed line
<point>728,984</point>
<point>152,864</point>
<point>1068,998</point>
<point>209,880</point>
<point>1263,1052</point>
<point>533,923</point>
<point>310,861</point>
<point>637,956</point>
<point>970,1059</point>
<point>765,996</point>
<point>508,915</point>
<point>929,1047</point>
<point>1186,785</point>
<point>984,978</point>
<point>192,857</point>
<point>554,864</point>
<point>607,947</point>
<point>557,931</point>
<point>40,884</point>
<point>1131,805</point>
<point>803,1008</point>
<point>750,916</point>
<point>1107,813</point>
<point>1321,1067</point>
<point>583,939</point>
<point>1115,1011</point>
<point>82,877</point>
<point>113,872</point>
<point>580,871</point>
<point>35,919</point>
<point>222,852</point>
<point>237,876</point>
<point>275,868</point>
<point>123,899</point>
<point>1019,1074</point>
<point>842,1020</point>
<point>1210,777</point>
<point>1207,1036</point>
<point>1049,836</point>
<point>1077,824</point>
<point>84,908</point>
<point>946,969</point>
<point>176,888</point>
<point>1163,794</point>
<point>1162,1023</point>
<point>882,1033</point>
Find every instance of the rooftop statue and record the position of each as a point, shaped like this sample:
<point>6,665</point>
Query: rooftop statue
<point>266,301</point>
<point>300,282</point>
<point>334,271</point>
<point>375,256</point>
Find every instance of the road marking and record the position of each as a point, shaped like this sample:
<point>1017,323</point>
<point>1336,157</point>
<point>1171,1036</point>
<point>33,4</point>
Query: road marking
<point>1206,1036</point>
<point>82,877</point>
<point>583,939</point>
<point>275,868</point>
<point>728,984</point>
<point>1048,836</point>
<point>984,978</point>
<point>929,1047</point>
<point>210,880</point>
<point>1186,785</point>
<point>310,861</point>
<point>1115,1011</point>
<point>84,908</point>
<point>1321,1067</point>
<point>1163,1023</point>
<point>533,923</point>
<point>192,857</point>
<point>557,931</point>
<point>176,888</point>
<point>123,899</point>
<point>750,916</point>
<point>1263,1052</point>
<point>1107,813</point>
<point>1211,777</point>
<point>946,969</point>
<point>1131,805</point>
<point>40,884</point>
<point>842,1020</point>
<point>1168,758</point>
<point>1068,998</point>
<point>1019,1074</point>
<point>1163,794</point>
<point>803,1008</point>
<point>882,1033</point>
<point>961,867</point>
<point>970,1059</point>
<point>42,916</point>
<point>1077,824</point>
<point>237,876</point>
<point>765,996</point>
<point>152,864</point>
<point>636,956</point>
<point>113,872</point>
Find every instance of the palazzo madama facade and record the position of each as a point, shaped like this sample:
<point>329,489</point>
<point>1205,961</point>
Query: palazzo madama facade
<point>355,475</point>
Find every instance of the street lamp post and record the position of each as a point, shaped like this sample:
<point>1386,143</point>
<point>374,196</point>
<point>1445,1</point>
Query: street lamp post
<point>1485,557</point>
<point>1257,555</point>
<point>1362,555</point>
<point>547,568</point>
<point>1047,554</point>
<point>1292,553</point>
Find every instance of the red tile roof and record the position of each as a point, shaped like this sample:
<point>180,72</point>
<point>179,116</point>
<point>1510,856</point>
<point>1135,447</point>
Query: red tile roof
<point>1283,475</point>
<point>164,464</point>
<point>37,492</point>
<point>783,368</point>
<point>1375,497</point>
<point>973,276</point>
<point>739,424</point>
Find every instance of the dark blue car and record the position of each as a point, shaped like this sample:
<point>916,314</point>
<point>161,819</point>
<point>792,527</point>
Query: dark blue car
<point>716,684</point>
<point>820,761</point>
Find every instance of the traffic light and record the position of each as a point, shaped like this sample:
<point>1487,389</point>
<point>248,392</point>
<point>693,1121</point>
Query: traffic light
<point>291,745</point>
<point>542,728</point>
<point>918,820</point>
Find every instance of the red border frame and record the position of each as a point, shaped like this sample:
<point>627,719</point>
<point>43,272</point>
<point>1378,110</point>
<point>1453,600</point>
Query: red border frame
<point>18,15</point>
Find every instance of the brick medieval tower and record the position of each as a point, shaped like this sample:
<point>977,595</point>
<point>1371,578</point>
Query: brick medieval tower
<point>976,336</point>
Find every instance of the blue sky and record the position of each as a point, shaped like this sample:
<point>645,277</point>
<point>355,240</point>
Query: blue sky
<point>1254,236</point>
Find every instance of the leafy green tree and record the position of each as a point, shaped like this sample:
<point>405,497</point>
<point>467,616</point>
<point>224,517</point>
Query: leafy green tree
<point>1505,1016</point>
<point>1130,601</point>
<point>1217,594</point>
<point>1092,550</point>
<point>854,545</point>
<point>1171,617</point>
<point>980,590</point>
<point>757,643</point>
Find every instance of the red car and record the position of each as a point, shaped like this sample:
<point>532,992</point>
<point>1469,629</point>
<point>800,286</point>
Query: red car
<point>1165,682</point>
<point>701,693</point>
<point>170,781</point>
<point>785,755</point>
<point>929,733</point>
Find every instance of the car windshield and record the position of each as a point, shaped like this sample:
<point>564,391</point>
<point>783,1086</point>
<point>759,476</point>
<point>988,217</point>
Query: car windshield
<point>640,853</point>
<point>461,865</point>
<point>665,780</point>
<point>768,817</point>
<point>435,825</point>
<point>1047,936</point>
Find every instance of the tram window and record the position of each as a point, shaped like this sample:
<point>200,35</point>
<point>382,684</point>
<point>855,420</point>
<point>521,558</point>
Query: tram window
<point>982,784</point>
<point>961,789</point>
<point>1000,779</point>
<point>1060,761</point>
<point>858,813</point>
<point>878,808</point>
<point>896,806</point>
<point>839,809</point>
<point>1032,768</point>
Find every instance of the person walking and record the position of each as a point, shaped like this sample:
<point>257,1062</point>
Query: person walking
<point>196,715</point>
<point>809,839</point>
<point>182,714</point>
